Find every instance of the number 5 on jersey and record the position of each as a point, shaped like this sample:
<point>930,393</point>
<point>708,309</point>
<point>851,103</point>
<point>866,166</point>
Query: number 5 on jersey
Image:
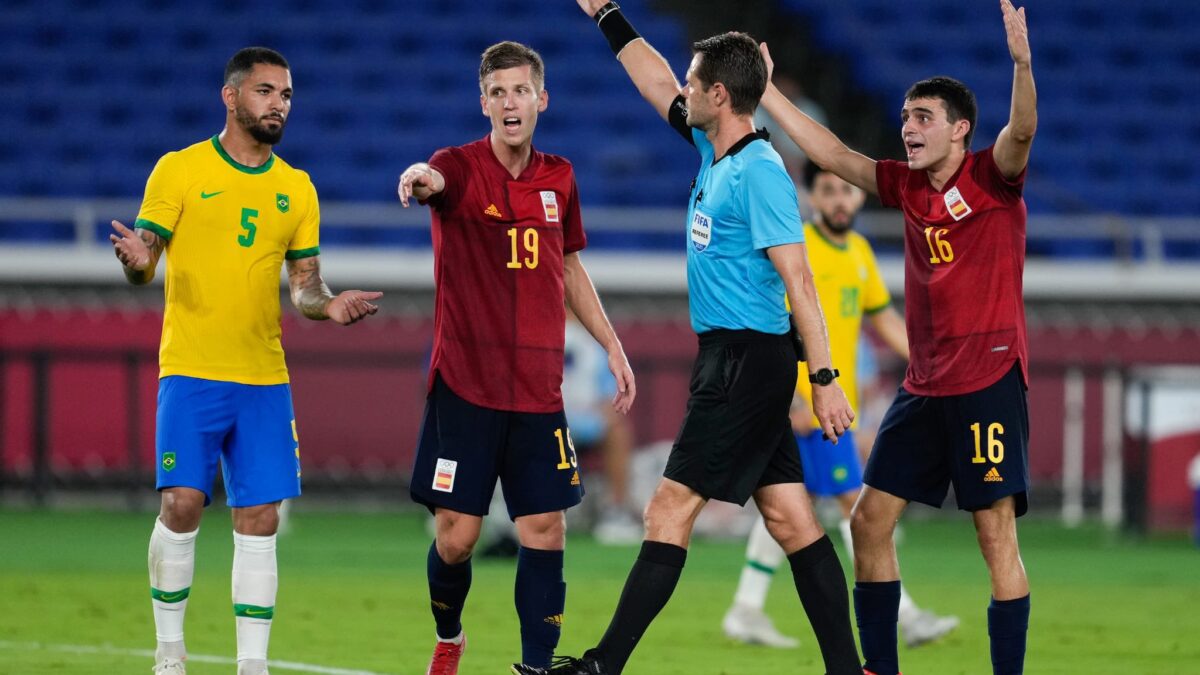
<point>247,239</point>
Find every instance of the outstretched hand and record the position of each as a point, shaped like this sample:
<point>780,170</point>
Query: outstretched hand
<point>415,176</point>
<point>626,388</point>
<point>1017,31</point>
<point>348,307</point>
<point>131,250</point>
<point>766,54</point>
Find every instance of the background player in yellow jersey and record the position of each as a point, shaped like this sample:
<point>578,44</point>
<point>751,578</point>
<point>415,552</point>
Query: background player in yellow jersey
<point>228,212</point>
<point>850,287</point>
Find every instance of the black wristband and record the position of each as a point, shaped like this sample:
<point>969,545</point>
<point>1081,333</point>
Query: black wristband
<point>603,11</point>
<point>616,28</point>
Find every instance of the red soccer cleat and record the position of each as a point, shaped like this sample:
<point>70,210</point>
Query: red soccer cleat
<point>445,658</point>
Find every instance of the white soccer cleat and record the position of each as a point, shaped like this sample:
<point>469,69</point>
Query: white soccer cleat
<point>754,627</point>
<point>923,626</point>
<point>170,666</point>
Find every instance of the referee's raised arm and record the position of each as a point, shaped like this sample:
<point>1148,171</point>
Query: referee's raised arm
<point>647,68</point>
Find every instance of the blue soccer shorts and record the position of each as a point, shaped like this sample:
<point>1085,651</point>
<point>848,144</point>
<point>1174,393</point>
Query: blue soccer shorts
<point>249,429</point>
<point>830,470</point>
<point>464,449</point>
<point>977,441</point>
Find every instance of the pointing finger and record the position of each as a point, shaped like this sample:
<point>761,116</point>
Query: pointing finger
<point>125,231</point>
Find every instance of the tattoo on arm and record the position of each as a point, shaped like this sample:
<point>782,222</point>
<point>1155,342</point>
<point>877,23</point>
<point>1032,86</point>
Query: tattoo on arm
<point>157,245</point>
<point>310,295</point>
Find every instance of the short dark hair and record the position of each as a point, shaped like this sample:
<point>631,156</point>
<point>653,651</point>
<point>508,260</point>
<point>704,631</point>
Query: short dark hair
<point>246,58</point>
<point>959,100</point>
<point>809,176</point>
<point>733,60</point>
<point>509,54</point>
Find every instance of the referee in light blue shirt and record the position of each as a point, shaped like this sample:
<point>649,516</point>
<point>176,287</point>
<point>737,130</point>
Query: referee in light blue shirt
<point>745,250</point>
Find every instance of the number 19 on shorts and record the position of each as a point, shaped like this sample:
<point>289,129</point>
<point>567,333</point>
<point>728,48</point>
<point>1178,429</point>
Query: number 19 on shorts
<point>565,462</point>
<point>995,447</point>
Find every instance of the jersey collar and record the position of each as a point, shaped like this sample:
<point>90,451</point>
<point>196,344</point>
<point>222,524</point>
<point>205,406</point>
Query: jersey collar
<point>535,160</point>
<point>745,140</point>
<point>825,238</point>
<point>266,166</point>
<point>953,180</point>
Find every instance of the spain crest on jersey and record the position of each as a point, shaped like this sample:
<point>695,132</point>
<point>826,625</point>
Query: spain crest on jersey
<point>956,205</point>
<point>282,203</point>
<point>550,205</point>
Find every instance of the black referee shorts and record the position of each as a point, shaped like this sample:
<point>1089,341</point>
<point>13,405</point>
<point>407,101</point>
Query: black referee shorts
<point>736,436</point>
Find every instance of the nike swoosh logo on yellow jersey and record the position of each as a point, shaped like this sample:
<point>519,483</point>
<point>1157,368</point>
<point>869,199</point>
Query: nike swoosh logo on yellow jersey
<point>206,195</point>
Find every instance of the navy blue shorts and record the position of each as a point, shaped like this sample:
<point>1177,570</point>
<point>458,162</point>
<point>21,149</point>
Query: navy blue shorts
<point>977,441</point>
<point>250,429</point>
<point>464,448</point>
<point>830,470</point>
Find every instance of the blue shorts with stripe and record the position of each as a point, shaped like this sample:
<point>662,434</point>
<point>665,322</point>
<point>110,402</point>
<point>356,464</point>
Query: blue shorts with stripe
<point>830,470</point>
<point>977,441</point>
<point>249,429</point>
<point>464,449</point>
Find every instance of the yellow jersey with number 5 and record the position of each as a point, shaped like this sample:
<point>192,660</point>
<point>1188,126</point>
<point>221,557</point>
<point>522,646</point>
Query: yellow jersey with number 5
<point>228,228</point>
<point>848,286</point>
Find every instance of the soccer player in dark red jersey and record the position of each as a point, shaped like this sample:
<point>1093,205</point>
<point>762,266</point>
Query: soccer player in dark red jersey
<point>506,239</point>
<point>960,416</point>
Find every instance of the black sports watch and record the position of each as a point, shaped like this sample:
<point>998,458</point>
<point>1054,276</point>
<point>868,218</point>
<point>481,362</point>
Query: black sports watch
<point>823,376</point>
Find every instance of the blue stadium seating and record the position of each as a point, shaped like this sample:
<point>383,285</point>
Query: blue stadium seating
<point>96,92</point>
<point>1118,87</point>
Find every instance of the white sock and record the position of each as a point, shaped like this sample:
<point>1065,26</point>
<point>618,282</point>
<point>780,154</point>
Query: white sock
<point>172,562</point>
<point>907,606</point>
<point>763,556</point>
<point>252,667</point>
<point>456,640</point>
<point>847,538</point>
<point>255,581</point>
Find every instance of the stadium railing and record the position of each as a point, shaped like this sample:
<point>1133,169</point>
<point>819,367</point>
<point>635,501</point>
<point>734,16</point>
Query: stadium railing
<point>632,249</point>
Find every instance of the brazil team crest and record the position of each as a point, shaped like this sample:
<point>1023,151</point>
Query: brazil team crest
<point>168,461</point>
<point>282,203</point>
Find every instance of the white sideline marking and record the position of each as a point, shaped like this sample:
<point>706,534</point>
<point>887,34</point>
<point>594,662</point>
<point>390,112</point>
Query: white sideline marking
<point>198,658</point>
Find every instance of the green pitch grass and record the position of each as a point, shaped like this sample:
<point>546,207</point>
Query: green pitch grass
<point>353,597</point>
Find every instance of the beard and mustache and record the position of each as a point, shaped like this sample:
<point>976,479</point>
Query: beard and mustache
<point>257,128</point>
<point>838,222</point>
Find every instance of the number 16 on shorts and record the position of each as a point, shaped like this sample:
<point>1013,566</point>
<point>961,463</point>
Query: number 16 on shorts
<point>994,449</point>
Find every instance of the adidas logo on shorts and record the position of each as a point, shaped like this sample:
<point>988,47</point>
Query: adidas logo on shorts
<point>992,476</point>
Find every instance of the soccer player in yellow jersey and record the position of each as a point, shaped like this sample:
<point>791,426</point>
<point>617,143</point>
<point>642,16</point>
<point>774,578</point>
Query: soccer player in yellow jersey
<point>228,213</point>
<point>850,287</point>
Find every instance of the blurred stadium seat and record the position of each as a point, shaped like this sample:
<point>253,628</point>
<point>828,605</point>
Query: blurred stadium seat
<point>100,92</point>
<point>1109,109</point>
